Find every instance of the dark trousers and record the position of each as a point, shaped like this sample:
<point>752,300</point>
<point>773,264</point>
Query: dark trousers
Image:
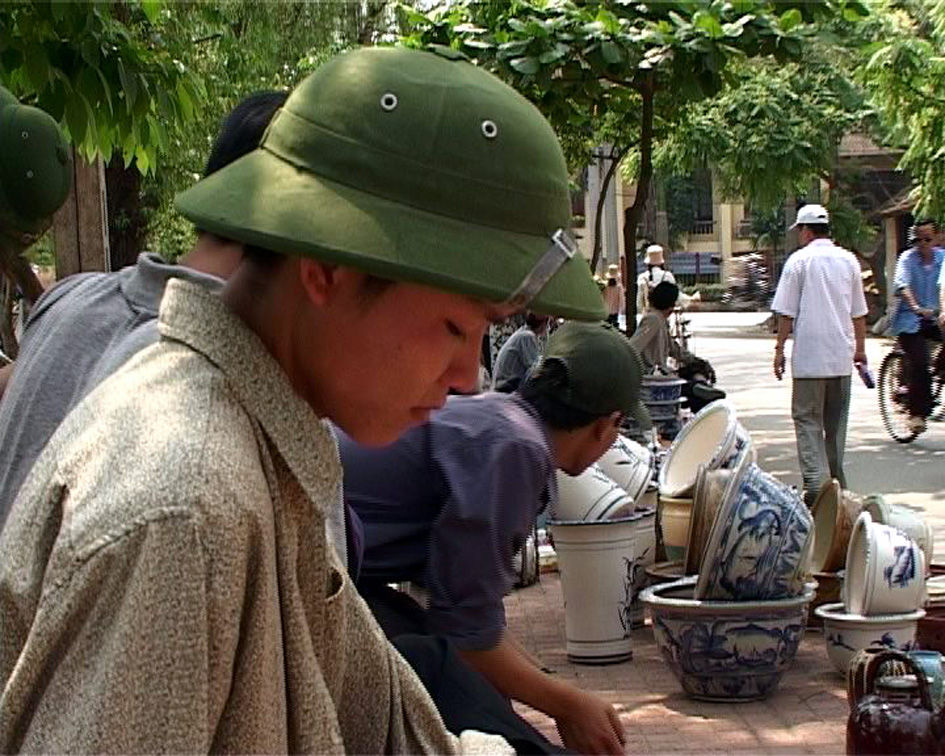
<point>917,373</point>
<point>464,698</point>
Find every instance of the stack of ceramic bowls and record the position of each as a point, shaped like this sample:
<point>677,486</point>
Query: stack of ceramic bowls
<point>630,466</point>
<point>714,439</point>
<point>730,632</point>
<point>592,495</point>
<point>835,511</point>
<point>883,592</point>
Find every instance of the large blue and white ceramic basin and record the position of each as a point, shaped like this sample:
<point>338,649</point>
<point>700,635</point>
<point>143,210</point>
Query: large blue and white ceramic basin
<point>760,542</point>
<point>726,650</point>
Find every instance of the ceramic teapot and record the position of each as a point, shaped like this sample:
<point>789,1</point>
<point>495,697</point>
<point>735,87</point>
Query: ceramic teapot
<point>893,714</point>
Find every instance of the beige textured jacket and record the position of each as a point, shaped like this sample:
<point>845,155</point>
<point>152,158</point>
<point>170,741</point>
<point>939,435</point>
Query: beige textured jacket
<point>165,581</point>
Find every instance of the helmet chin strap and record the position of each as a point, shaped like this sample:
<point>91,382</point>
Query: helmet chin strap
<point>560,249</point>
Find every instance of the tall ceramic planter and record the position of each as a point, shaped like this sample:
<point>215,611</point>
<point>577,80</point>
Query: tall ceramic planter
<point>598,571</point>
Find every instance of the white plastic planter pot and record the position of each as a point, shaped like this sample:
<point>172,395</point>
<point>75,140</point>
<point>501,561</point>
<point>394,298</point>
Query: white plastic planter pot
<point>598,566</point>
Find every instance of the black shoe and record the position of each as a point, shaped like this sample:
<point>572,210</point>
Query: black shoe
<point>706,393</point>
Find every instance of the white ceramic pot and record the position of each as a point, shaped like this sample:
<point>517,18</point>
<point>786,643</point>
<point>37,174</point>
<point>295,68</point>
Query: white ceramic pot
<point>711,438</point>
<point>846,633</point>
<point>589,496</point>
<point>726,650</point>
<point>835,511</point>
<point>597,561</point>
<point>629,465</point>
<point>759,545</point>
<point>644,549</point>
<point>902,518</point>
<point>675,515</point>
<point>885,570</point>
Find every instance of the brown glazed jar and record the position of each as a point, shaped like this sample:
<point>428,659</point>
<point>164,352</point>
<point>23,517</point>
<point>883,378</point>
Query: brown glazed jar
<point>895,716</point>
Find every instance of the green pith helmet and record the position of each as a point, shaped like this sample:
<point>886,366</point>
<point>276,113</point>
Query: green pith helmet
<point>413,166</point>
<point>35,167</point>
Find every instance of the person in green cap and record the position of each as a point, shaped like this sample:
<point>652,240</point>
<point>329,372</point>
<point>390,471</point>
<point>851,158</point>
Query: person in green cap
<point>451,501</point>
<point>35,178</point>
<point>166,582</point>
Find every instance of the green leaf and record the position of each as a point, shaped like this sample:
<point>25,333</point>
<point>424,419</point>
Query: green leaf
<point>186,104</point>
<point>37,66</point>
<point>708,23</point>
<point>152,9</point>
<point>528,65</point>
<point>790,19</point>
<point>128,84</point>
<point>611,52</point>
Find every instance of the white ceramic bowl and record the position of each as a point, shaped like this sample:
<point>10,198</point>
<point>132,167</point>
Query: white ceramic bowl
<point>902,518</point>
<point>589,496</point>
<point>885,570</point>
<point>759,546</point>
<point>726,650</point>
<point>846,633</point>
<point>629,465</point>
<point>710,438</point>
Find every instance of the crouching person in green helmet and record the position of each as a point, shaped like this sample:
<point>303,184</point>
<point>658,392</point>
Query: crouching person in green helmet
<point>165,580</point>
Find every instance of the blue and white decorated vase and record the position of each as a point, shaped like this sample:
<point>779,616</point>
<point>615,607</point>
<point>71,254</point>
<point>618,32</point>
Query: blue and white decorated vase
<point>760,542</point>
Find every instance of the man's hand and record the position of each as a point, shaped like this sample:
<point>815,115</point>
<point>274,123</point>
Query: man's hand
<point>925,312</point>
<point>941,320</point>
<point>591,726</point>
<point>778,363</point>
<point>859,357</point>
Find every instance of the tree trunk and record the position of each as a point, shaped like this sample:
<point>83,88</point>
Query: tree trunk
<point>127,224</point>
<point>633,214</point>
<point>615,157</point>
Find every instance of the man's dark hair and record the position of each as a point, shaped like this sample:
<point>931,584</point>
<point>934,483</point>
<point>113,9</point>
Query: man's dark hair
<point>820,230</point>
<point>243,129</point>
<point>535,321</point>
<point>664,296</point>
<point>240,133</point>
<point>542,389</point>
<point>925,222</point>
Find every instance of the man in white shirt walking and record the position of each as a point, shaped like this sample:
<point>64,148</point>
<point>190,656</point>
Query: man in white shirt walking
<point>820,297</point>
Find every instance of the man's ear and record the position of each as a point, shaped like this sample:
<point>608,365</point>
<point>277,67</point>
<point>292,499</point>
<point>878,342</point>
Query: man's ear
<point>319,279</point>
<point>604,425</point>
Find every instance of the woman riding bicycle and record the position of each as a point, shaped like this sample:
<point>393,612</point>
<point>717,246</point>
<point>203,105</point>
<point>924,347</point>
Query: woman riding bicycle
<point>917,282</point>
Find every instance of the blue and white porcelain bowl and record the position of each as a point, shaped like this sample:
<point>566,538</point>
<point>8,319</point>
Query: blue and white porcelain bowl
<point>661,388</point>
<point>885,570</point>
<point>760,542</point>
<point>846,633</point>
<point>726,650</point>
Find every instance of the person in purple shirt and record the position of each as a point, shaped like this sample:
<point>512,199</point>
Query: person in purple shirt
<point>450,502</point>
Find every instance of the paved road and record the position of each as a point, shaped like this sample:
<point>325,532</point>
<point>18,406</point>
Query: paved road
<point>911,474</point>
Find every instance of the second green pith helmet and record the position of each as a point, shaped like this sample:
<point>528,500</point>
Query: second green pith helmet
<point>35,168</point>
<point>416,166</point>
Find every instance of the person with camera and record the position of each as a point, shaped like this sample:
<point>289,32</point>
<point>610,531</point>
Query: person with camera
<point>917,287</point>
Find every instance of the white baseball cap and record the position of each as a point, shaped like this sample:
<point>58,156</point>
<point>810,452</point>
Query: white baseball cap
<point>812,215</point>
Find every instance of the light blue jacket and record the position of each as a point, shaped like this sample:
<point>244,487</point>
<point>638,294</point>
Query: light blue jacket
<point>923,282</point>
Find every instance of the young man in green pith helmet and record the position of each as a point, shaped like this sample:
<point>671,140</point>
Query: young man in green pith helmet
<point>165,573</point>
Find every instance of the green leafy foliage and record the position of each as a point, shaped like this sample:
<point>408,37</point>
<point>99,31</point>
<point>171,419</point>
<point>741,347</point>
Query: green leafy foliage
<point>905,75</point>
<point>102,70</point>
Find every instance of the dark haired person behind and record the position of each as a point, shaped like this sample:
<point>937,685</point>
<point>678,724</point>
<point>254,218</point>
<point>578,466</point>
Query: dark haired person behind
<point>88,325</point>
<point>450,502</point>
<point>656,345</point>
<point>519,353</point>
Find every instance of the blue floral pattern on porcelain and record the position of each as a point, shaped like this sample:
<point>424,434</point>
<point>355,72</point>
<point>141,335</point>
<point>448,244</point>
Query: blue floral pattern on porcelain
<point>759,542</point>
<point>726,659</point>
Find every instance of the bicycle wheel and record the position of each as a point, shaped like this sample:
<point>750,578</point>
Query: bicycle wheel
<point>938,378</point>
<point>893,398</point>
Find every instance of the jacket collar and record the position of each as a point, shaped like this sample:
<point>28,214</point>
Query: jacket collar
<point>197,318</point>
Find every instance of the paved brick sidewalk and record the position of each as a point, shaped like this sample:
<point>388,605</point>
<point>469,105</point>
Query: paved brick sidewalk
<point>807,714</point>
